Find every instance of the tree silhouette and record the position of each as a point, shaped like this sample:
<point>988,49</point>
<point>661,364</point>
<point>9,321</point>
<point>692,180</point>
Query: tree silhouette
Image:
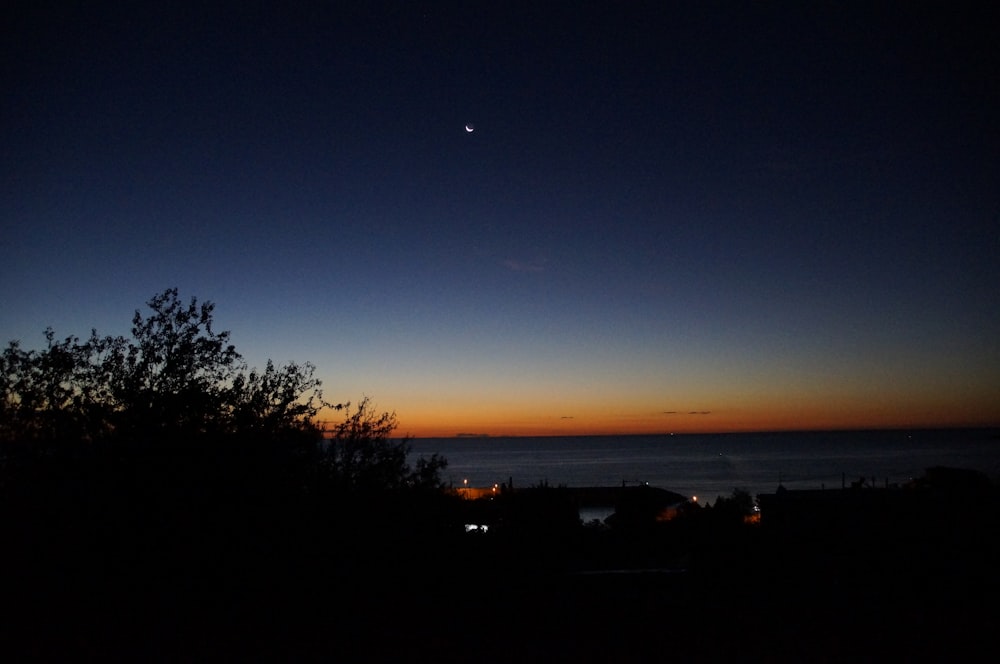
<point>171,378</point>
<point>49,395</point>
<point>179,386</point>
<point>361,455</point>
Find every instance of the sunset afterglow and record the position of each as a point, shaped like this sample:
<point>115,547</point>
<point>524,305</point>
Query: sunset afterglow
<point>673,219</point>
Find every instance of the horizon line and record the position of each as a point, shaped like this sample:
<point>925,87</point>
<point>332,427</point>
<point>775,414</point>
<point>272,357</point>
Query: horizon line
<point>481,436</point>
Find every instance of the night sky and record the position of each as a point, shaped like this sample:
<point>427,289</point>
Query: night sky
<point>680,216</point>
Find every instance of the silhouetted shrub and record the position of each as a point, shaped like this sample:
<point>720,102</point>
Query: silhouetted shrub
<point>169,436</point>
<point>175,378</point>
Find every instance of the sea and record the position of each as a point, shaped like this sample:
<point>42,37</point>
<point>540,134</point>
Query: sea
<point>707,466</point>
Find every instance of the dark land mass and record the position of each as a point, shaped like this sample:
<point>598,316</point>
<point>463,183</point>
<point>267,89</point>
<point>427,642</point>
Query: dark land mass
<point>859,574</point>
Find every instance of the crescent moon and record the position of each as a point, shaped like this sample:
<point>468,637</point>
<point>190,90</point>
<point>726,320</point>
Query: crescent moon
<point>469,128</point>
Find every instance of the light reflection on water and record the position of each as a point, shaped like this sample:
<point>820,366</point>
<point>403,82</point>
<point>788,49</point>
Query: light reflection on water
<point>588,514</point>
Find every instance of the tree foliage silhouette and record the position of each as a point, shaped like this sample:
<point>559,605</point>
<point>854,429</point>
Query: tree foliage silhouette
<point>361,455</point>
<point>181,386</point>
<point>171,378</point>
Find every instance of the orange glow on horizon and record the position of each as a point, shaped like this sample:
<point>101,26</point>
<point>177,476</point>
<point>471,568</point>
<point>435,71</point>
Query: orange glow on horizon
<point>752,413</point>
<point>684,424</point>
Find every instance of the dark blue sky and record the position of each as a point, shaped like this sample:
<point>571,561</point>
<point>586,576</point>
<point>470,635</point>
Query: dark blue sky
<point>770,214</point>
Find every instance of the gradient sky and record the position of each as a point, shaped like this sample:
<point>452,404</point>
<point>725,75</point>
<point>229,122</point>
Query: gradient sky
<point>676,216</point>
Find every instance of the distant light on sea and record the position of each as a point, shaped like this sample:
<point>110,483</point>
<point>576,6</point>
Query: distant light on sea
<point>712,465</point>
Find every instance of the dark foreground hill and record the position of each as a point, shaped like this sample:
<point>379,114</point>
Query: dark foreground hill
<point>396,577</point>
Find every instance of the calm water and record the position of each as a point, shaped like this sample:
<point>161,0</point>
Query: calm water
<point>711,465</point>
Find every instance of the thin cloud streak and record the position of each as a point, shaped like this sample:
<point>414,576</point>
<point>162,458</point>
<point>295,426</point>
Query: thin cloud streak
<point>515,265</point>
